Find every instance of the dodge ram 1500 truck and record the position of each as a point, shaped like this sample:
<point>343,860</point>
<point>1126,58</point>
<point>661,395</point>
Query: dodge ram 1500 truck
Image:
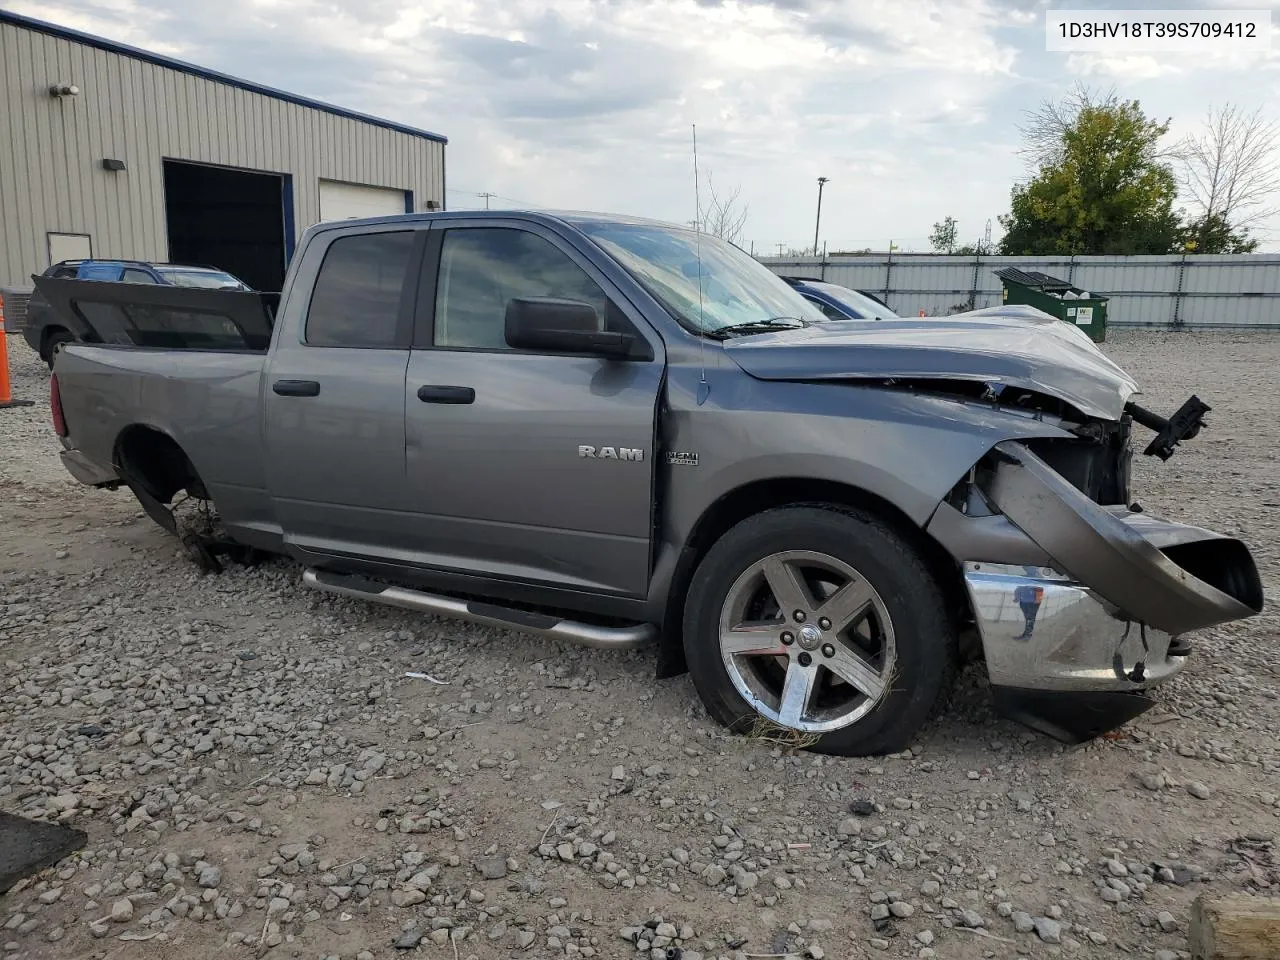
<point>618,432</point>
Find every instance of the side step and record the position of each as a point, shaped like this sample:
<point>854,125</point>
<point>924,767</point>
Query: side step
<point>488,614</point>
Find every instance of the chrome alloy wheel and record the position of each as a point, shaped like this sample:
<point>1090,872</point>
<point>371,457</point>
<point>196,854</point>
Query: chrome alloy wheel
<point>807,641</point>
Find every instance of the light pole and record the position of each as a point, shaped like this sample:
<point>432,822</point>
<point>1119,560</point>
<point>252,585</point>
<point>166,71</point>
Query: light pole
<point>817,221</point>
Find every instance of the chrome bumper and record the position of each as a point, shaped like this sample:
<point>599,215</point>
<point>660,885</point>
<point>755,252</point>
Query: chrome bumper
<point>1042,630</point>
<point>87,471</point>
<point>1077,604</point>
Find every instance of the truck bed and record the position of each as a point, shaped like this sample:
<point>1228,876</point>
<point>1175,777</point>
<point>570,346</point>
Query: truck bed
<point>208,401</point>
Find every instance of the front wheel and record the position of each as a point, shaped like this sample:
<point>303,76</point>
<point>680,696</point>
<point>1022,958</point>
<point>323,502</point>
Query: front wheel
<point>818,626</point>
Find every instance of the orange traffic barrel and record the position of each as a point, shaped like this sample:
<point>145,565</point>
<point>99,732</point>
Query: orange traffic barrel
<point>6,391</point>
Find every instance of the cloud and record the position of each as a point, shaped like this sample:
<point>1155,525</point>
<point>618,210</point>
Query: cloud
<point>909,106</point>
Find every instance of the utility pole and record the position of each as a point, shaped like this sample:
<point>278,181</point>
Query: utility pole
<point>486,198</point>
<point>817,221</point>
<point>780,246</point>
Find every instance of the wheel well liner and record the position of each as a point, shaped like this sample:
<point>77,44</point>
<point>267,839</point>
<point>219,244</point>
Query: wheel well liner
<point>154,460</point>
<point>756,497</point>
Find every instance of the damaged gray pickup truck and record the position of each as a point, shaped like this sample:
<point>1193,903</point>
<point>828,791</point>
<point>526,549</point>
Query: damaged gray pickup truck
<point>622,433</point>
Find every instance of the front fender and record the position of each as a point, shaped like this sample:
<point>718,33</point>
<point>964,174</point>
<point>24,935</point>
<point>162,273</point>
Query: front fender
<point>908,448</point>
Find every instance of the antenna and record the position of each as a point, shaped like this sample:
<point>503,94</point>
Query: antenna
<point>697,233</point>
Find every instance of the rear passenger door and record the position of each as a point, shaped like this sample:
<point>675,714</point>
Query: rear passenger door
<point>334,392</point>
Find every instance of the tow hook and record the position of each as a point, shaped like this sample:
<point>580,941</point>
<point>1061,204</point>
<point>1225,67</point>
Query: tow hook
<point>1183,425</point>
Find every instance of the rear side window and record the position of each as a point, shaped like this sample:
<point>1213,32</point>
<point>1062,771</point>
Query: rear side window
<point>356,300</point>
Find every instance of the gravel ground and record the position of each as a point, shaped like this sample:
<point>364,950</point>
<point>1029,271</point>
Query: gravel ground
<point>257,775</point>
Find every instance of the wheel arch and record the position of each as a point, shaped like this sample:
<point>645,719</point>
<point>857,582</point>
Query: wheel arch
<point>758,496</point>
<point>156,462</point>
<point>48,335</point>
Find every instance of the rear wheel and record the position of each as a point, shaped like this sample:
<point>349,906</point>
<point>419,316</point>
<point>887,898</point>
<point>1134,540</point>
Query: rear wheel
<point>818,626</point>
<point>54,342</point>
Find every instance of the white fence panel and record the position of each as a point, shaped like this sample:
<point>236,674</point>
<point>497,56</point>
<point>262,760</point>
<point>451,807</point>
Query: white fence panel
<point>1225,292</point>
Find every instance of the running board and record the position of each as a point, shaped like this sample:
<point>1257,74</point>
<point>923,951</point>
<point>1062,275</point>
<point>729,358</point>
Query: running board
<point>487,614</point>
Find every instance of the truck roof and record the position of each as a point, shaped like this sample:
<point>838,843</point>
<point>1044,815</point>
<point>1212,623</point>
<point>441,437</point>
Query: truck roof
<point>537,216</point>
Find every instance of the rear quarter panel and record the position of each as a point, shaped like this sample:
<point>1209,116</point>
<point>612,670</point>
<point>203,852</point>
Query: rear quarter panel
<point>208,402</point>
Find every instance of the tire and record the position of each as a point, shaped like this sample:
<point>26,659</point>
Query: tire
<point>899,645</point>
<point>53,343</point>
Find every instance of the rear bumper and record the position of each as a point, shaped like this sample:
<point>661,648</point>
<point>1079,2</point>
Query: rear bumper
<point>1078,605</point>
<point>87,471</point>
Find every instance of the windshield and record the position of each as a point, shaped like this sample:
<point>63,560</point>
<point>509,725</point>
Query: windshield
<point>858,302</point>
<point>737,290</point>
<point>204,279</point>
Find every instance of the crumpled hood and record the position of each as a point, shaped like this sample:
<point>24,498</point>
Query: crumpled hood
<point>1014,346</point>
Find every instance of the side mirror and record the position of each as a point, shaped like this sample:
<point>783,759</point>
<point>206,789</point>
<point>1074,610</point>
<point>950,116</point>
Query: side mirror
<point>555,325</point>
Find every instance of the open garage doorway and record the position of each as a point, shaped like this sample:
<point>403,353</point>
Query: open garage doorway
<point>227,218</point>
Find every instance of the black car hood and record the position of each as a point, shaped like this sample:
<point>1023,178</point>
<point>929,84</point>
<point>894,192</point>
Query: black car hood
<point>1012,346</point>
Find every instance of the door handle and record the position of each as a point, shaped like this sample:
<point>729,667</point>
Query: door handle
<point>438,393</point>
<point>296,388</point>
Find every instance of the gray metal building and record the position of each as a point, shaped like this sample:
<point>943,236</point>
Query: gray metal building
<point>115,152</point>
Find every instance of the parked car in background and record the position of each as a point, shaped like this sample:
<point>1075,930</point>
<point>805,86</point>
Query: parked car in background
<point>841,303</point>
<point>46,332</point>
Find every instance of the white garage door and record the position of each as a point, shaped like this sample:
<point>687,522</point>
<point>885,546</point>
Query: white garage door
<point>342,201</point>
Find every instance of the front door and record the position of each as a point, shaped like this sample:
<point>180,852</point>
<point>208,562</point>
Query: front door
<point>523,466</point>
<point>335,394</point>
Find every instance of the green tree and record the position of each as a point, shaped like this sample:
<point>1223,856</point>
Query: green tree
<point>943,238</point>
<point>1103,187</point>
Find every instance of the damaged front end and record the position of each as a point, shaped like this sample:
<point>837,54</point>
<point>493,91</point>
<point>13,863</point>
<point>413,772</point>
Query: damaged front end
<point>1081,600</point>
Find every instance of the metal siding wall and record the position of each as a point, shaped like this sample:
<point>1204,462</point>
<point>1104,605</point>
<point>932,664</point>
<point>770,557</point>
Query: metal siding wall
<point>1227,291</point>
<point>51,178</point>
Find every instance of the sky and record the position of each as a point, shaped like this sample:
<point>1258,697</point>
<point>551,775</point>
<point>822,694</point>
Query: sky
<point>909,107</point>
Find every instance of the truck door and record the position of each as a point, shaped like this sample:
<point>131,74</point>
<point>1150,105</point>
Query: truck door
<point>334,391</point>
<point>521,466</point>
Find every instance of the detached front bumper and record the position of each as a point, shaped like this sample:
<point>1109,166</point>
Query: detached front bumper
<point>1080,606</point>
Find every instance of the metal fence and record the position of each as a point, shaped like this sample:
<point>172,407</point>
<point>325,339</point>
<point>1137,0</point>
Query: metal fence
<point>1191,292</point>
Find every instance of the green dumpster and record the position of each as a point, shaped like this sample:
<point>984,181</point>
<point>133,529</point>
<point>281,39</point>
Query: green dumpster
<point>1086,310</point>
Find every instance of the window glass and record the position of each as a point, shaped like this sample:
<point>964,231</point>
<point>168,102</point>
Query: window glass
<point>484,268</point>
<point>830,312</point>
<point>204,279</point>
<point>132,275</point>
<point>100,271</point>
<point>706,283</point>
<point>356,300</point>
<point>864,306</point>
